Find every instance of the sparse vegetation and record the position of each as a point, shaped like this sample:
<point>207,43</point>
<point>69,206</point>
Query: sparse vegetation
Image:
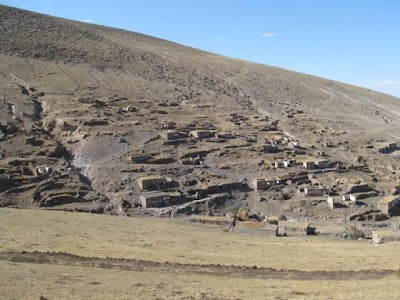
<point>178,241</point>
<point>87,112</point>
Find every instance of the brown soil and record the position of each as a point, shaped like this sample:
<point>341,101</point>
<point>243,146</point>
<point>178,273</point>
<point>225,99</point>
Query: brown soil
<point>58,258</point>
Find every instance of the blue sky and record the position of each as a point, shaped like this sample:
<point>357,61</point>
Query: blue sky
<point>354,41</point>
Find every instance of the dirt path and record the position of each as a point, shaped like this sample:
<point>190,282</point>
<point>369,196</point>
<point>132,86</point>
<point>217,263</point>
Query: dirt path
<point>58,258</point>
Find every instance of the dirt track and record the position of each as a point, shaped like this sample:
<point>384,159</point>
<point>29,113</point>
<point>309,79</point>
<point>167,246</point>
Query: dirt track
<point>58,258</point>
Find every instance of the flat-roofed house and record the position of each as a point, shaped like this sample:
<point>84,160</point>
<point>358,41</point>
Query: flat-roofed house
<point>170,135</point>
<point>315,192</point>
<point>288,163</point>
<point>389,205</point>
<point>295,228</point>
<point>309,165</point>
<point>201,134</point>
<point>322,164</point>
<point>392,146</point>
<point>159,199</point>
<point>264,184</point>
<point>385,147</point>
<point>151,182</point>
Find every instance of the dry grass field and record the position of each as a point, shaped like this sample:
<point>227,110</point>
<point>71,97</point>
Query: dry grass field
<point>28,281</point>
<point>160,240</point>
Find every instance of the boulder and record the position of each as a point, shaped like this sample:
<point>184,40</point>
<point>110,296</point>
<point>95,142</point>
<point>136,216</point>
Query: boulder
<point>355,233</point>
<point>243,215</point>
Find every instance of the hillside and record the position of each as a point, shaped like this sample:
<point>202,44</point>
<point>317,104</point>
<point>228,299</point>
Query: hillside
<point>87,111</point>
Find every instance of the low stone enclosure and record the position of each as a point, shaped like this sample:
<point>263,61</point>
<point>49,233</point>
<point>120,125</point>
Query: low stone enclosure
<point>280,228</point>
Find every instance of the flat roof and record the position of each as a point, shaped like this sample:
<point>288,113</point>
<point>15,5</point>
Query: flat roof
<point>389,199</point>
<point>310,187</point>
<point>384,144</point>
<point>151,177</point>
<point>201,130</point>
<point>299,224</point>
<point>162,194</point>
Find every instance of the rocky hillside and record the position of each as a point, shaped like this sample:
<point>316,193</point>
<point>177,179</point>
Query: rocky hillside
<point>87,112</point>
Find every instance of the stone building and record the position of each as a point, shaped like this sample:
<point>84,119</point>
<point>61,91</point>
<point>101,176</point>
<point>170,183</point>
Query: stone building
<point>309,165</point>
<point>322,164</point>
<point>389,205</point>
<point>170,135</point>
<point>386,147</point>
<point>151,182</point>
<point>159,199</point>
<point>315,192</point>
<point>201,134</point>
<point>264,184</point>
<point>295,228</point>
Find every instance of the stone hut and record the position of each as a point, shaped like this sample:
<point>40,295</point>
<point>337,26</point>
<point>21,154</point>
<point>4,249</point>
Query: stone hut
<point>322,164</point>
<point>159,199</point>
<point>288,163</point>
<point>201,134</point>
<point>295,228</point>
<point>389,205</point>
<point>151,182</point>
<point>309,165</point>
<point>386,147</point>
<point>170,135</point>
<point>315,192</point>
<point>264,184</point>
<point>349,198</point>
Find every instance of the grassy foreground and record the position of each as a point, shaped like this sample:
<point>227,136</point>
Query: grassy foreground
<point>178,241</point>
<point>28,281</point>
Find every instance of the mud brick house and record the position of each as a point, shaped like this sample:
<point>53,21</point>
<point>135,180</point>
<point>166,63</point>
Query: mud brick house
<point>264,184</point>
<point>386,147</point>
<point>159,199</point>
<point>309,165</point>
<point>170,135</point>
<point>315,192</point>
<point>283,164</point>
<point>151,182</point>
<point>201,134</point>
<point>389,205</point>
<point>322,164</point>
<point>294,228</point>
<point>288,163</point>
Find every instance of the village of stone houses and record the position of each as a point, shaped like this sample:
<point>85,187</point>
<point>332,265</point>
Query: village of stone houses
<point>242,168</point>
<point>132,167</point>
<point>246,173</point>
<point>143,132</point>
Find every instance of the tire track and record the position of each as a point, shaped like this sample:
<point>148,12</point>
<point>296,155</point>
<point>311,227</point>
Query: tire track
<point>59,258</point>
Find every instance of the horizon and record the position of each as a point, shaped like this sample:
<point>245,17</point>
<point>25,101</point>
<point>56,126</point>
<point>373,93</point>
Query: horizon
<point>353,42</point>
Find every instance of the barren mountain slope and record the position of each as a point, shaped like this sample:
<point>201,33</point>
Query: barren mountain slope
<point>86,110</point>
